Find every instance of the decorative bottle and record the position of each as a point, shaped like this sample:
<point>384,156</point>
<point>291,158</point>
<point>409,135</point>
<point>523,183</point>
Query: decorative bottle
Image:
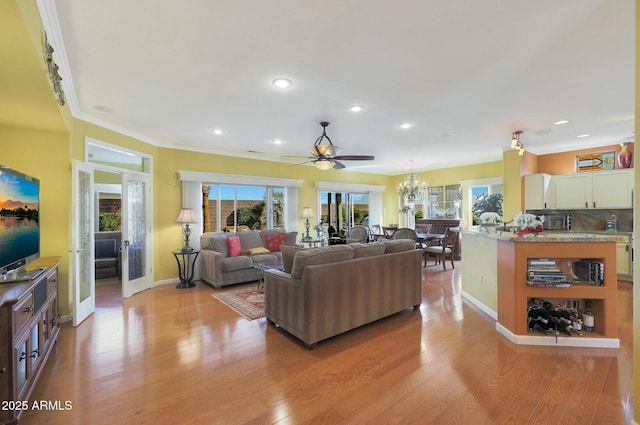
<point>576,321</point>
<point>588,320</point>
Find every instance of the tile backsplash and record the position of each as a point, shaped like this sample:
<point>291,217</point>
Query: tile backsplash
<point>594,220</point>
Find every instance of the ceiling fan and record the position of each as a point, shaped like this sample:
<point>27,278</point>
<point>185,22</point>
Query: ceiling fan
<point>326,156</point>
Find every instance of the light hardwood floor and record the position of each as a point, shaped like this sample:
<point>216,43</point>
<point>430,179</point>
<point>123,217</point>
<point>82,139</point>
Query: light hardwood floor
<point>169,356</point>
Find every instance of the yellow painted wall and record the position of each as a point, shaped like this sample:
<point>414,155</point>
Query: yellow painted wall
<point>45,156</point>
<point>512,169</point>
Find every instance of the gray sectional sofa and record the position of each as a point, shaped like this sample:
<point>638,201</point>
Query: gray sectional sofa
<point>218,268</point>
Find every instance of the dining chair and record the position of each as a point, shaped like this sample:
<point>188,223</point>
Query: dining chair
<point>358,233</point>
<point>407,233</point>
<point>376,232</point>
<point>441,252</point>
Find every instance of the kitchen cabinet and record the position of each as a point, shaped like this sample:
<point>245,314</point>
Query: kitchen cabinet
<point>600,189</point>
<point>539,192</point>
<point>624,260</point>
<point>573,191</point>
<point>515,294</point>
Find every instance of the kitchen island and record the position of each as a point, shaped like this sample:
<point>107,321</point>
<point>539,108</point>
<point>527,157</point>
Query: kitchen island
<point>496,277</point>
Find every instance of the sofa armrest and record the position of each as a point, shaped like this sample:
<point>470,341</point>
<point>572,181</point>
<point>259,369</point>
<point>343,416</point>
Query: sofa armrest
<point>284,303</point>
<point>211,266</point>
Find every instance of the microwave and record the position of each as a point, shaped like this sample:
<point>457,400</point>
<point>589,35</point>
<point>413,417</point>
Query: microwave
<point>557,222</point>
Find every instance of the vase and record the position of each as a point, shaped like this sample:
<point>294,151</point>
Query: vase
<point>624,156</point>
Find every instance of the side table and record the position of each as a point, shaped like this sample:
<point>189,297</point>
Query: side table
<point>311,242</point>
<point>186,275</point>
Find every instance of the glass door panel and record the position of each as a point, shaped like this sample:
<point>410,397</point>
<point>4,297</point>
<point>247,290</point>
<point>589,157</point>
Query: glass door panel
<point>136,273</point>
<point>82,256</point>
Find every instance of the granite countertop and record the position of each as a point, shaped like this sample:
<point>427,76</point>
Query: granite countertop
<point>566,236</point>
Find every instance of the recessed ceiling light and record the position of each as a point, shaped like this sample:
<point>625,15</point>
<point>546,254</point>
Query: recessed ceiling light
<point>277,141</point>
<point>356,108</point>
<point>216,131</point>
<point>405,125</point>
<point>584,135</point>
<point>282,83</point>
<point>561,122</point>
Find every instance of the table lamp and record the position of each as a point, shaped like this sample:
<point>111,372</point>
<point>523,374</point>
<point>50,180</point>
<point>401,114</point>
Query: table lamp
<point>307,213</point>
<point>186,216</point>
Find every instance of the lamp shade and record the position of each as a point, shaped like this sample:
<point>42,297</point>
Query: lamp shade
<point>187,215</point>
<point>324,164</point>
<point>307,212</point>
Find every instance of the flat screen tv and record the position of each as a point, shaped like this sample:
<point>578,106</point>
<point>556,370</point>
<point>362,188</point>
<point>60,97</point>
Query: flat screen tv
<point>19,219</point>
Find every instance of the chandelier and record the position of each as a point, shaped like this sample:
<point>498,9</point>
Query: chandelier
<point>411,190</point>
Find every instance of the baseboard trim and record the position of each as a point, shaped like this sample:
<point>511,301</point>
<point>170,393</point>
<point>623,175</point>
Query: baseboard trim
<point>174,281</point>
<point>560,341</point>
<point>486,310</point>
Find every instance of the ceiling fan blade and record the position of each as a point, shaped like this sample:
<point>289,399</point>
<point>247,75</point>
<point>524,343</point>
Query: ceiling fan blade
<point>337,165</point>
<point>355,157</point>
<point>302,163</point>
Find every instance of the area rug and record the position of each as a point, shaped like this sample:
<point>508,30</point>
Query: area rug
<point>248,302</point>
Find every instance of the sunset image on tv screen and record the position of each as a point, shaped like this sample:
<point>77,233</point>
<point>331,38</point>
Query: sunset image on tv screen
<point>19,230</point>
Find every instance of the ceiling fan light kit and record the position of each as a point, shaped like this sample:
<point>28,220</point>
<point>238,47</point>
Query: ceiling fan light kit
<point>323,164</point>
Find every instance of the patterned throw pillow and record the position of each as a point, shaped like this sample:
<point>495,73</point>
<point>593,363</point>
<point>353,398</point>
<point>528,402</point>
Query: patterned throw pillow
<point>233,245</point>
<point>274,241</point>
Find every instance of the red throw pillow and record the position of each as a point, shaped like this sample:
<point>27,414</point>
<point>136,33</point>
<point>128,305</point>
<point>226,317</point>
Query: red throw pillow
<point>233,245</point>
<point>274,241</point>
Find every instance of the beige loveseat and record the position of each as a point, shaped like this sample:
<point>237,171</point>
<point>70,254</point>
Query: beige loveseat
<point>218,268</point>
<point>333,289</point>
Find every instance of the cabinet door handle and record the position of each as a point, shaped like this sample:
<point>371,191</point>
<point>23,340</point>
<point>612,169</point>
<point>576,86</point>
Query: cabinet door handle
<point>627,247</point>
<point>23,356</point>
<point>28,309</point>
<point>34,354</point>
<point>3,371</point>
<point>586,205</point>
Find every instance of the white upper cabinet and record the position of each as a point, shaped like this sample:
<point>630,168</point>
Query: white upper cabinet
<point>539,192</point>
<point>613,189</point>
<point>598,189</point>
<point>573,191</point>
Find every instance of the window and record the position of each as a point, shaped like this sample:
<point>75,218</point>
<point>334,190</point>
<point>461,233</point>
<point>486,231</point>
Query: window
<point>240,207</point>
<point>475,188</point>
<point>343,210</point>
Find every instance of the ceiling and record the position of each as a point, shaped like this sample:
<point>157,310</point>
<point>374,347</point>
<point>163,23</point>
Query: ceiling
<point>463,74</point>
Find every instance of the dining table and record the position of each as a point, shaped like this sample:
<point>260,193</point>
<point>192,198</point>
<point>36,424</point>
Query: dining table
<point>430,238</point>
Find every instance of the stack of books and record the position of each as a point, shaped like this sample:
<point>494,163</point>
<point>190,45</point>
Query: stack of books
<point>589,271</point>
<point>545,273</point>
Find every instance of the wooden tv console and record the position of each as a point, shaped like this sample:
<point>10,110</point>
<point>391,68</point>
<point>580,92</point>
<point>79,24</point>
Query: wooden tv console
<point>28,334</point>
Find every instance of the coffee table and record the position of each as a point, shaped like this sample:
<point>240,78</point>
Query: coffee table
<point>275,265</point>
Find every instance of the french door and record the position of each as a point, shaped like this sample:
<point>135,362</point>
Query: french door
<point>137,272</point>
<point>82,251</point>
